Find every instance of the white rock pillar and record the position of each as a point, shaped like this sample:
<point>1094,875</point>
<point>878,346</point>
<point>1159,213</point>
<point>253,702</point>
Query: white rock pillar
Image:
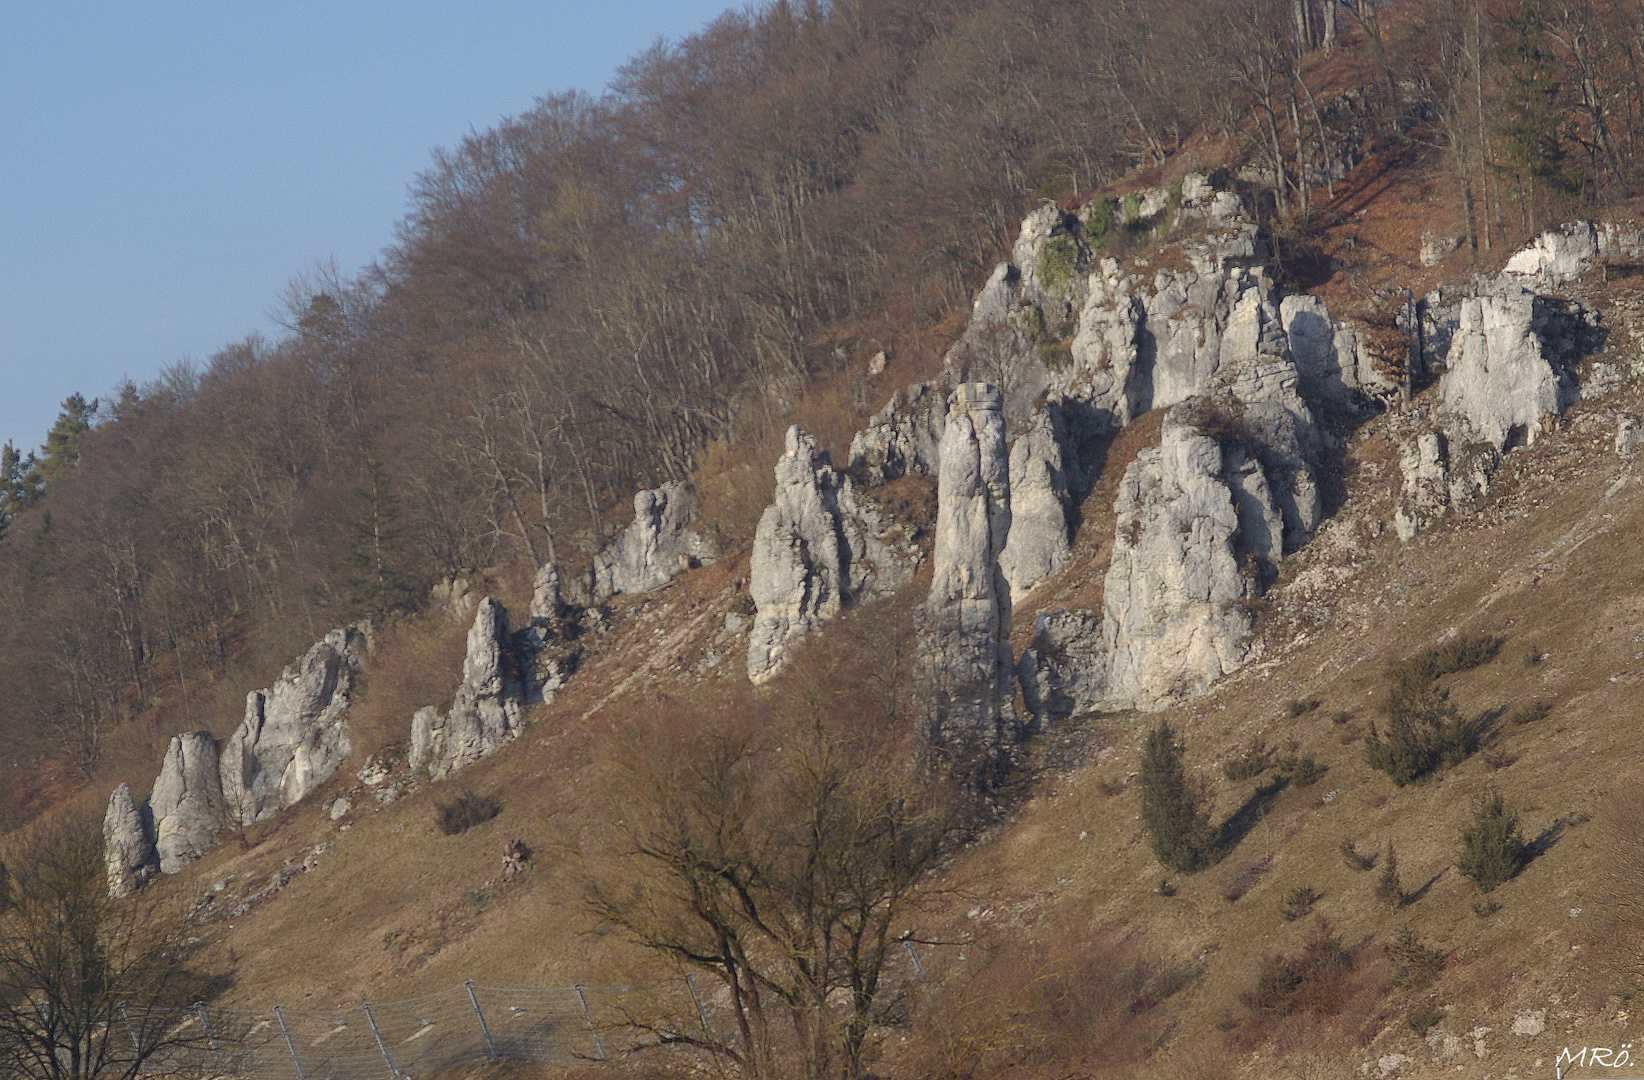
<point>964,624</point>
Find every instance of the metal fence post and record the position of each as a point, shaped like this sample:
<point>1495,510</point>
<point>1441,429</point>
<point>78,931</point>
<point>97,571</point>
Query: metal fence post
<point>918,968</point>
<point>130,1034</point>
<point>586,1015</point>
<point>393,1071</point>
<point>289,1045</point>
<point>707,1029</point>
<point>211,1040</point>
<point>485,1029</point>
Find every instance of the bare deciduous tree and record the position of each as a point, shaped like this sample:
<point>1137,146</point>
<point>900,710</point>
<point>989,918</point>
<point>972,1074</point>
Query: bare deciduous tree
<point>785,860</point>
<point>89,986</point>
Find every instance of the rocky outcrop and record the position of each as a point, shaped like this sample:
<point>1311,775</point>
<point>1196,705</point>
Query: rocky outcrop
<point>292,738</point>
<point>1039,498</point>
<point>547,607</point>
<point>294,734</point>
<point>1502,379</point>
<point>1564,254</point>
<point>964,624</point>
<point>1629,436</point>
<point>487,707</point>
<point>1434,482</point>
<point>817,547</point>
<point>544,654</point>
<point>1146,344</point>
<point>128,844</point>
<point>1335,360</point>
<point>1063,671</point>
<point>1175,616</point>
<point>187,801</point>
<point>656,546</point>
<point>1051,259</point>
<point>904,438</point>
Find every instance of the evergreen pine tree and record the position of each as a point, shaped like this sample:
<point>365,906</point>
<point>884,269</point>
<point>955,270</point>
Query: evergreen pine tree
<point>1389,889</point>
<point>20,484</point>
<point>376,586</point>
<point>1492,850</point>
<point>67,435</point>
<point>1531,89</point>
<point>1173,808</point>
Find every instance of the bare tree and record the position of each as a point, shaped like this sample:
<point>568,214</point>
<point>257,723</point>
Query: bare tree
<point>89,986</point>
<point>785,860</point>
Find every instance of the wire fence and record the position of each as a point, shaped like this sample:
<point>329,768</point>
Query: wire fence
<point>394,1040</point>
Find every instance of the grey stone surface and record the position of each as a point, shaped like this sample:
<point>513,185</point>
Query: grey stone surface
<point>294,734</point>
<point>1438,478</point>
<point>1063,671</point>
<point>128,843</point>
<point>1142,344</point>
<point>1498,383</point>
<point>654,547</point>
<point>1333,359</point>
<point>1556,256</point>
<point>1039,496</point>
<point>547,607</point>
<point>1174,612</point>
<point>964,624</point>
<point>1629,436</point>
<point>1049,240</point>
<point>187,801</point>
<point>904,437</point>
<point>486,710</point>
<point>817,547</point>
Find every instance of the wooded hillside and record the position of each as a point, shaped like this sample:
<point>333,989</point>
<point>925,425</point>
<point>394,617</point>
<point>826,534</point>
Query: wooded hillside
<point>602,294</point>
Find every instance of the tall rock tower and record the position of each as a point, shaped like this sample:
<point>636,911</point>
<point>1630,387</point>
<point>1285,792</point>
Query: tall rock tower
<point>964,625</point>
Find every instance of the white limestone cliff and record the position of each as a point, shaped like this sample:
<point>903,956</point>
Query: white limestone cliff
<point>294,734</point>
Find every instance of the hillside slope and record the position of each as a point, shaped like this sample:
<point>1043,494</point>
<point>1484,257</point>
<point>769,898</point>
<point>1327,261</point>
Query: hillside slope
<point>1545,563</point>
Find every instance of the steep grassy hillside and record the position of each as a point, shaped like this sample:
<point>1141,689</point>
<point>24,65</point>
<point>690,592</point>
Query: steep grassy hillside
<point>1547,569</point>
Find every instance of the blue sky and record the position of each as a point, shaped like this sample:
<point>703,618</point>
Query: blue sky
<point>168,167</point>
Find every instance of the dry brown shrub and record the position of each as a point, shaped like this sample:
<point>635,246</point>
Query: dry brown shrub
<point>1317,981</point>
<point>1063,1000</point>
<point>464,810</point>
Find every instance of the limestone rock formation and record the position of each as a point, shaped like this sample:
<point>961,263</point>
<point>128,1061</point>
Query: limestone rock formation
<point>817,547</point>
<point>1051,259</point>
<point>486,710</point>
<point>1039,494</point>
<point>128,844</point>
<point>964,623</point>
<point>1629,436</point>
<point>1563,254</point>
<point>1174,612</point>
<point>1435,480</point>
<point>1334,359</point>
<point>1142,344</point>
<point>903,438</point>
<point>187,801</point>
<point>655,547</point>
<point>1063,671</point>
<point>1556,256</point>
<point>546,605</point>
<point>1502,379</point>
<point>294,734</point>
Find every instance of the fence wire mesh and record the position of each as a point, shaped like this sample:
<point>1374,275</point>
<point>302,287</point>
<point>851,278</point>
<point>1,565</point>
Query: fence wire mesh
<point>463,1026</point>
<point>393,1039</point>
